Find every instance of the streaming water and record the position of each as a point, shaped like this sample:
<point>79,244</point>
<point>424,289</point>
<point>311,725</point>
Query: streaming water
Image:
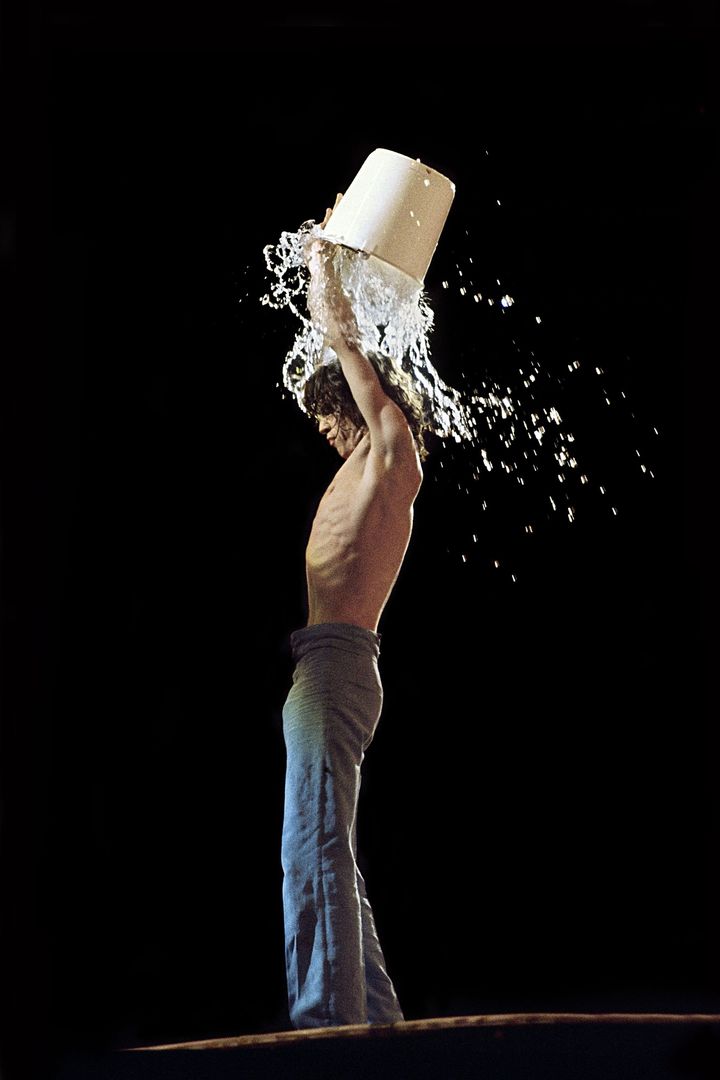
<point>513,428</point>
<point>393,317</point>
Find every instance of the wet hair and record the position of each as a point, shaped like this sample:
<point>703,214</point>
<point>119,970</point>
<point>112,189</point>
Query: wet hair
<point>327,393</point>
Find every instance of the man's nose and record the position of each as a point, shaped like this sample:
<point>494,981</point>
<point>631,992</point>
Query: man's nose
<point>325,424</point>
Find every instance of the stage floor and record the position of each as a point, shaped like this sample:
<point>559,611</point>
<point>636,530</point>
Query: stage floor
<point>507,1046</point>
<point>497,1021</point>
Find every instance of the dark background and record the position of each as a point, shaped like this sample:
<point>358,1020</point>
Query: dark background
<point>539,818</point>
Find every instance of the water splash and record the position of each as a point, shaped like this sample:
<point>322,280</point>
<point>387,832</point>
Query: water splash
<point>511,430</point>
<point>393,317</point>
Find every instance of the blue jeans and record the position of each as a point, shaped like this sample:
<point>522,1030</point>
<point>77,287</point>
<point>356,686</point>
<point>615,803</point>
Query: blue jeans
<point>335,966</point>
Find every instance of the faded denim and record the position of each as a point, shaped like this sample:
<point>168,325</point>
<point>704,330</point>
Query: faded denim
<point>335,967</point>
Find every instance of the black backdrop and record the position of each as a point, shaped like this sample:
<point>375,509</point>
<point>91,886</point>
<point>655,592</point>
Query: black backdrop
<point>539,815</point>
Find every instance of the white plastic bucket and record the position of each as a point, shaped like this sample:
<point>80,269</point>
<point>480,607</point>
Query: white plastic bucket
<point>395,209</point>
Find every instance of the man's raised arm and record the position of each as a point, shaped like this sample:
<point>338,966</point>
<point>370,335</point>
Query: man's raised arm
<point>390,436</point>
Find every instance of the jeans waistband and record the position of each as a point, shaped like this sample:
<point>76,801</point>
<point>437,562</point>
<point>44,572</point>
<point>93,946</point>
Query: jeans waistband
<point>345,636</point>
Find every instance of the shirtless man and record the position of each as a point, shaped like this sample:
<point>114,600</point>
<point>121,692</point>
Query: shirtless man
<point>335,967</point>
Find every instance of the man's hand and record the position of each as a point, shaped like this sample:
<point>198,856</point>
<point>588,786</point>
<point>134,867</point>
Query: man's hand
<point>329,212</point>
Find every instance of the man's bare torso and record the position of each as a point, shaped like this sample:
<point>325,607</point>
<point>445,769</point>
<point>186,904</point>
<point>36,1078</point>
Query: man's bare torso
<point>358,539</point>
